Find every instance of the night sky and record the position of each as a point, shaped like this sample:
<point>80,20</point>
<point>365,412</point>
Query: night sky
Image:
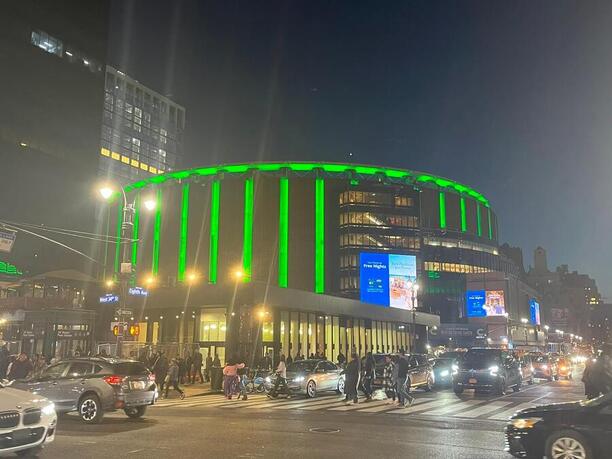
<point>512,98</point>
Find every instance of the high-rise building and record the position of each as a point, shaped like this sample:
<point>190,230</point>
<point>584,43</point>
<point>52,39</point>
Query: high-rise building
<point>52,57</point>
<point>142,131</point>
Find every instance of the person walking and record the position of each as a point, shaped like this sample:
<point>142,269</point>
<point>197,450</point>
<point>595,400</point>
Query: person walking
<point>289,359</point>
<point>403,382</point>
<point>172,379</point>
<point>160,370</point>
<point>21,367</point>
<point>208,366</point>
<point>590,387</point>
<point>230,377</point>
<point>197,367</point>
<point>351,382</point>
<point>369,373</point>
<point>216,362</point>
<point>188,368</point>
<point>4,361</point>
<point>389,379</point>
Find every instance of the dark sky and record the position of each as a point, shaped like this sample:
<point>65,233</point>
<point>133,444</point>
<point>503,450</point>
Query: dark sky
<point>513,98</point>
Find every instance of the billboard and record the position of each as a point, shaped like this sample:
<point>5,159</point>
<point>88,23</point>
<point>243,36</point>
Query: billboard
<point>485,303</point>
<point>388,279</point>
<point>534,309</point>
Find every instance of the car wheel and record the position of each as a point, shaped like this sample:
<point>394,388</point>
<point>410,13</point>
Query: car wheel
<point>568,444</point>
<point>136,411</point>
<point>32,452</point>
<point>311,389</point>
<point>340,388</point>
<point>458,390</point>
<point>501,387</point>
<point>90,410</point>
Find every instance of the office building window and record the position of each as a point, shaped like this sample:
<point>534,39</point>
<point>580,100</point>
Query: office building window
<point>47,43</point>
<point>380,241</point>
<point>377,219</point>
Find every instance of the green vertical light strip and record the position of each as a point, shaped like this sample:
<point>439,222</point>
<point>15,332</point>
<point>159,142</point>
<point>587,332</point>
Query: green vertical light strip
<point>463,217</point>
<point>320,235</point>
<point>442,198</point>
<point>478,221</point>
<point>213,254</point>
<point>157,233</point>
<point>118,234</point>
<point>182,258</point>
<point>490,227</point>
<point>136,230</point>
<point>247,238</point>
<point>283,233</point>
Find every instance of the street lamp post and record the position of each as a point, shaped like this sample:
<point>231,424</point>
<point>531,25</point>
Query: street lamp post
<point>414,287</point>
<point>524,322</point>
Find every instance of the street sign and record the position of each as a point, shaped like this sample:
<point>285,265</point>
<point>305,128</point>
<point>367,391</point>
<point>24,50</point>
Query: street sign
<point>109,298</point>
<point>137,291</point>
<point>7,239</point>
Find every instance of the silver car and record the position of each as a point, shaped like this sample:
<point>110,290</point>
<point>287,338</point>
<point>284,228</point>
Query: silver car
<point>92,386</point>
<point>311,376</point>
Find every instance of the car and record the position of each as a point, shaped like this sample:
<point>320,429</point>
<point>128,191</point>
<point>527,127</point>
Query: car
<point>443,371</point>
<point>93,386</point>
<point>27,422</point>
<point>489,369</point>
<point>564,430</point>
<point>527,370</point>
<point>545,367</point>
<point>312,376</point>
<point>420,370</point>
<point>564,368</point>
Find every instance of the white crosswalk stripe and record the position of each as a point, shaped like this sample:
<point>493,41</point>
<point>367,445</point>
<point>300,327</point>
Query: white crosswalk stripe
<point>502,416</point>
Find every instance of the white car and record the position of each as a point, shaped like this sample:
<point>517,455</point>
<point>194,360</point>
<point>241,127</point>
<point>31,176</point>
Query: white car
<point>27,422</point>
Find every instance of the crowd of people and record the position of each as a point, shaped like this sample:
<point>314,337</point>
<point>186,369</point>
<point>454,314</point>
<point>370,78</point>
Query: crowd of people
<point>20,366</point>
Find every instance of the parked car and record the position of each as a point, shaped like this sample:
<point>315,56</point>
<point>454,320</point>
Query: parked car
<point>545,367</point>
<point>527,370</point>
<point>93,386</point>
<point>563,430</point>
<point>312,376</point>
<point>27,422</point>
<point>564,368</point>
<point>443,371</point>
<point>493,370</point>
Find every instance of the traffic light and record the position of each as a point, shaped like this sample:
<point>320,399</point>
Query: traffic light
<point>134,330</point>
<point>116,330</point>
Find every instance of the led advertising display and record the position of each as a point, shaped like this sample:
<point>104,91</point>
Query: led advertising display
<point>534,308</point>
<point>485,303</point>
<point>388,279</point>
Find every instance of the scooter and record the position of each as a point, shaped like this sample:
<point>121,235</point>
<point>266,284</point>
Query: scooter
<point>271,392</point>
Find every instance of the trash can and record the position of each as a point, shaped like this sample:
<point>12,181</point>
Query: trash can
<point>216,378</point>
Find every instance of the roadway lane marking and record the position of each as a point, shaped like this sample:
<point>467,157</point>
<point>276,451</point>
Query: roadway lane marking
<point>455,407</point>
<point>306,402</point>
<point>361,406</point>
<point>377,409</point>
<point>504,415</point>
<point>484,409</point>
<point>543,396</point>
<point>420,407</point>
<point>323,406</point>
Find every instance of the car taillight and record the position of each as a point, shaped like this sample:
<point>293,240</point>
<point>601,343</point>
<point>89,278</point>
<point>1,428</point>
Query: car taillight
<point>113,380</point>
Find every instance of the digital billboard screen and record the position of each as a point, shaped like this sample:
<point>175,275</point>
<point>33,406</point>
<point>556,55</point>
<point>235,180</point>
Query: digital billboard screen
<point>485,303</point>
<point>388,279</point>
<point>534,308</point>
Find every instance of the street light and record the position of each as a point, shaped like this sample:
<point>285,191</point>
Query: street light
<point>546,327</point>
<point>109,283</point>
<point>106,192</point>
<point>150,204</point>
<point>523,320</point>
<point>238,274</point>
<point>192,277</point>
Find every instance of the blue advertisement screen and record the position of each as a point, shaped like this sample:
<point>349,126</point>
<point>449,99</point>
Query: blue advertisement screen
<point>534,308</point>
<point>474,302</point>
<point>388,279</point>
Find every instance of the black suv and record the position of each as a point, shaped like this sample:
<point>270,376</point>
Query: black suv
<point>494,370</point>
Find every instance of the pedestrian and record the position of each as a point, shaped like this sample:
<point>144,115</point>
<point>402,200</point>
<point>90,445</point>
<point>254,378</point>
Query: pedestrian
<point>230,377</point>
<point>207,366</point>
<point>172,379</point>
<point>289,359</point>
<point>341,359</point>
<point>216,362</point>
<point>351,381</point>
<point>403,382</point>
<point>281,377</point>
<point>4,361</point>
<point>21,367</point>
<point>242,375</point>
<point>298,356</point>
<point>160,370</point>
<point>590,389</point>
<point>189,368</point>
<point>312,356</point>
<point>369,373</point>
<point>197,367</point>
<point>388,379</point>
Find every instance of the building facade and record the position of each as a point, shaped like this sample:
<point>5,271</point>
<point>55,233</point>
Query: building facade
<point>360,234</point>
<point>142,130</point>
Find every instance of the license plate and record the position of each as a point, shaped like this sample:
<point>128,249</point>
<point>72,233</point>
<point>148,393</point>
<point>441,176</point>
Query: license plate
<point>137,385</point>
<point>472,380</point>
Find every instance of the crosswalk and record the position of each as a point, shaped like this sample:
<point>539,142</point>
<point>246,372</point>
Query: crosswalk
<point>440,407</point>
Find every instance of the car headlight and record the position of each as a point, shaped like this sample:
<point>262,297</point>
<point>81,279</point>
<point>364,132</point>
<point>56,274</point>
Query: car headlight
<point>524,423</point>
<point>494,370</point>
<point>455,368</point>
<point>444,373</point>
<point>268,379</point>
<point>299,379</point>
<point>49,409</point>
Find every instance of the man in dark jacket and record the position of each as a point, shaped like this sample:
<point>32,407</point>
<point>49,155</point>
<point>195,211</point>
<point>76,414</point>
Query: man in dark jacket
<point>197,367</point>
<point>4,361</point>
<point>369,373</point>
<point>160,370</point>
<point>352,372</point>
<point>403,387</point>
<point>341,359</point>
<point>21,367</point>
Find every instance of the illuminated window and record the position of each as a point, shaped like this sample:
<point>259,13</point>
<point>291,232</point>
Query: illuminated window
<point>404,201</point>
<point>115,155</point>
<point>144,167</point>
<point>47,43</point>
<point>105,152</point>
<point>454,267</point>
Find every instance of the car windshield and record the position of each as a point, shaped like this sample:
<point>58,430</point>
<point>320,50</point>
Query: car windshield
<point>302,365</point>
<point>130,369</point>
<point>481,358</point>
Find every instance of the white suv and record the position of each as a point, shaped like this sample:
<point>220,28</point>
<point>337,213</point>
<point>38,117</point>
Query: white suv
<point>27,422</point>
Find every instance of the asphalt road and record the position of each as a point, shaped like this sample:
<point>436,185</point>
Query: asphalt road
<point>438,425</point>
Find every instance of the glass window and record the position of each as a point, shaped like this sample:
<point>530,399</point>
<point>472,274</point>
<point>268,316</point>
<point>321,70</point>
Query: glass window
<point>80,369</point>
<point>284,333</point>
<point>303,345</point>
<point>212,324</point>
<point>55,371</point>
<point>294,334</point>
<point>47,43</point>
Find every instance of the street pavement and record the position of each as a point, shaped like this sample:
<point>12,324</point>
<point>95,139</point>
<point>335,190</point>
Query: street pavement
<point>438,425</point>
